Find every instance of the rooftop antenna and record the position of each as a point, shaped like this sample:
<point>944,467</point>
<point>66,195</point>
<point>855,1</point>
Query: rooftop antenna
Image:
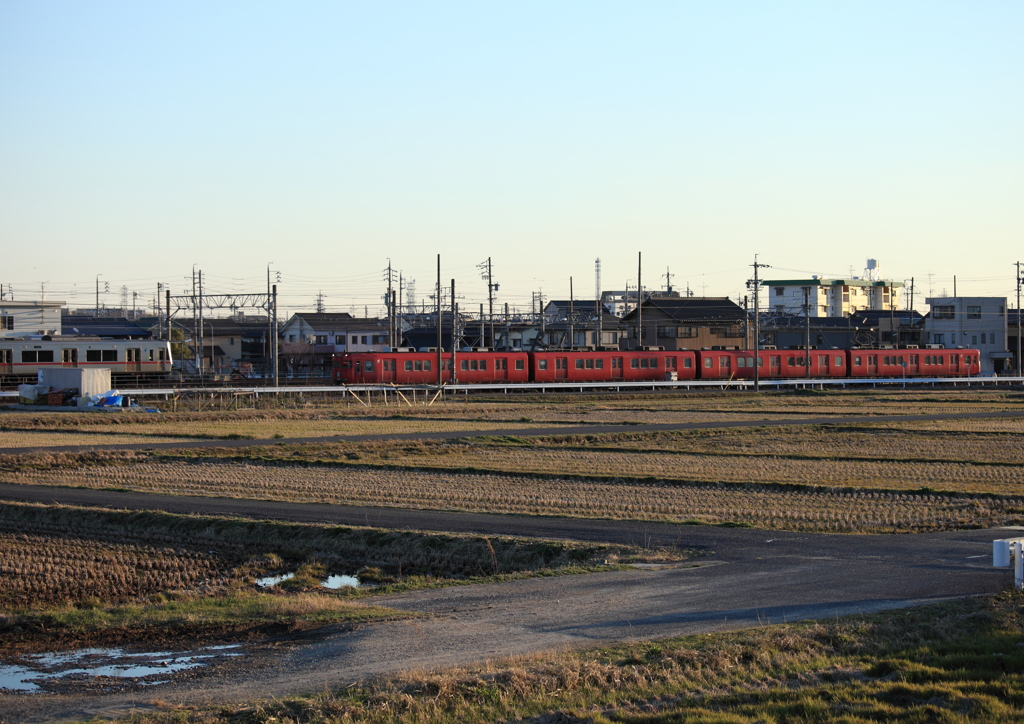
<point>597,277</point>
<point>668,280</point>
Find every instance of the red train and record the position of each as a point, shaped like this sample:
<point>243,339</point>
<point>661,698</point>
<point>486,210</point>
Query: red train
<point>649,365</point>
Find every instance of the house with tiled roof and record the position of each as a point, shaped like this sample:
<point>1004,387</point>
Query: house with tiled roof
<point>687,323</point>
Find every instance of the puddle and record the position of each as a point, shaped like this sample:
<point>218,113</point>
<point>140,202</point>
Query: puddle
<point>333,582</point>
<point>341,582</point>
<point>84,664</point>
<point>273,580</point>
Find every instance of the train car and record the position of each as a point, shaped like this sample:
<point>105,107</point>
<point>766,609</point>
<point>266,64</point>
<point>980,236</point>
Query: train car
<point>914,363</point>
<point>22,358</point>
<point>773,364</point>
<point>420,368</point>
<point>611,365</point>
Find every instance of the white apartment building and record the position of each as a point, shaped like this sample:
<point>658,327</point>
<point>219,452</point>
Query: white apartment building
<point>830,297</point>
<point>21,319</point>
<point>974,322</point>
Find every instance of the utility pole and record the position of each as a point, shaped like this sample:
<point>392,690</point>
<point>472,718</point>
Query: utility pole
<point>201,328</point>
<point>757,323</point>
<point>597,306</point>
<point>274,335</point>
<point>508,330</point>
<point>486,273</point>
<point>1018,321</point>
<point>668,280</point>
<point>482,343</point>
<point>439,380</point>
<point>572,327</point>
<point>807,331</point>
<point>455,333</point>
<point>639,302</point>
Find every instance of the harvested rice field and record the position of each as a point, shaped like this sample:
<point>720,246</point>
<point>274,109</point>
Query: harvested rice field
<point>488,413</point>
<point>880,476</point>
<point>708,502</point>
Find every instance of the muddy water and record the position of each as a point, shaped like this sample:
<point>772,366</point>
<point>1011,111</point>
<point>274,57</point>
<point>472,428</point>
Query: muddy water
<point>35,671</point>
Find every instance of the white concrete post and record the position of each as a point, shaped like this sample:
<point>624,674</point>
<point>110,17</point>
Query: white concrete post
<point>1018,565</point>
<point>1000,553</point>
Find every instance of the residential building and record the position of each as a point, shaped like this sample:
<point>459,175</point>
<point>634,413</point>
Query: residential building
<point>688,323</point>
<point>23,319</point>
<point>829,297</point>
<point>974,322</point>
<point>85,325</point>
<point>310,339</point>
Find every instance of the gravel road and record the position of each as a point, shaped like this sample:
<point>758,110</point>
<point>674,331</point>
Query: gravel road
<point>748,578</point>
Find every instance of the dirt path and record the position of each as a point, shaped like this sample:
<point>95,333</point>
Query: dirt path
<point>527,432</point>
<point>751,578</point>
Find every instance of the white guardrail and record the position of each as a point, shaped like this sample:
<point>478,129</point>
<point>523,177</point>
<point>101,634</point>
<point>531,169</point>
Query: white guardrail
<point>1003,550</point>
<point>734,384</point>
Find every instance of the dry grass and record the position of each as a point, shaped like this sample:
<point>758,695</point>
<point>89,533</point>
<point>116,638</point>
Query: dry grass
<point>488,413</point>
<point>759,505</point>
<point>53,555</point>
<point>956,663</point>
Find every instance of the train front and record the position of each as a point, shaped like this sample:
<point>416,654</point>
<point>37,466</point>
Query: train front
<point>343,369</point>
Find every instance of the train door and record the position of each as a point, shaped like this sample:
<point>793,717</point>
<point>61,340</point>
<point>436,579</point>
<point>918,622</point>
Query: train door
<point>6,361</point>
<point>872,365</point>
<point>775,365</point>
<point>822,365</point>
<point>561,368</point>
<point>954,364</point>
<point>69,357</point>
<point>616,368</point>
<point>133,360</point>
<point>501,368</point>
<point>387,370</point>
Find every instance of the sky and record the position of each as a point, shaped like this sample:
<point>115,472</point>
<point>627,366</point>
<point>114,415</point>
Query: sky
<point>140,142</point>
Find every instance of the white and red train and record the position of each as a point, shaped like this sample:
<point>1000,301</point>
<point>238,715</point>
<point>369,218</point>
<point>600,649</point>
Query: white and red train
<point>403,367</point>
<point>22,358</point>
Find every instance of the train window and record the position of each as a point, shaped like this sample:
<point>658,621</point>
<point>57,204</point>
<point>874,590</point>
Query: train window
<point>483,364</point>
<point>670,363</point>
<point>426,365</point>
<point>708,362</point>
<point>914,359</point>
<point>418,365</point>
<point>942,359</point>
<point>790,362</point>
<point>856,361</point>
<point>839,361</point>
<point>616,363</point>
<point>644,364</point>
<point>723,362</point>
<point>163,356</point>
<point>579,364</point>
<point>687,362</point>
<point>359,366</point>
<point>590,364</point>
<point>654,364</point>
<point>92,355</point>
<point>369,365</point>
<point>150,355</point>
<point>777,360</point>
<point>408,365</point>
<point>901,359</point>
<point>29,355</point>
<point>760,361</point>
<point>599,364</point>
<point>474,365</point>
<point>823,360</point>
<point>519,364</point>
<point>542,364</point>
<point>464,365</point>
<point>634,364</point>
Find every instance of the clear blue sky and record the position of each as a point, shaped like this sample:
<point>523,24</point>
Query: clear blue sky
<point>140,139</point>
